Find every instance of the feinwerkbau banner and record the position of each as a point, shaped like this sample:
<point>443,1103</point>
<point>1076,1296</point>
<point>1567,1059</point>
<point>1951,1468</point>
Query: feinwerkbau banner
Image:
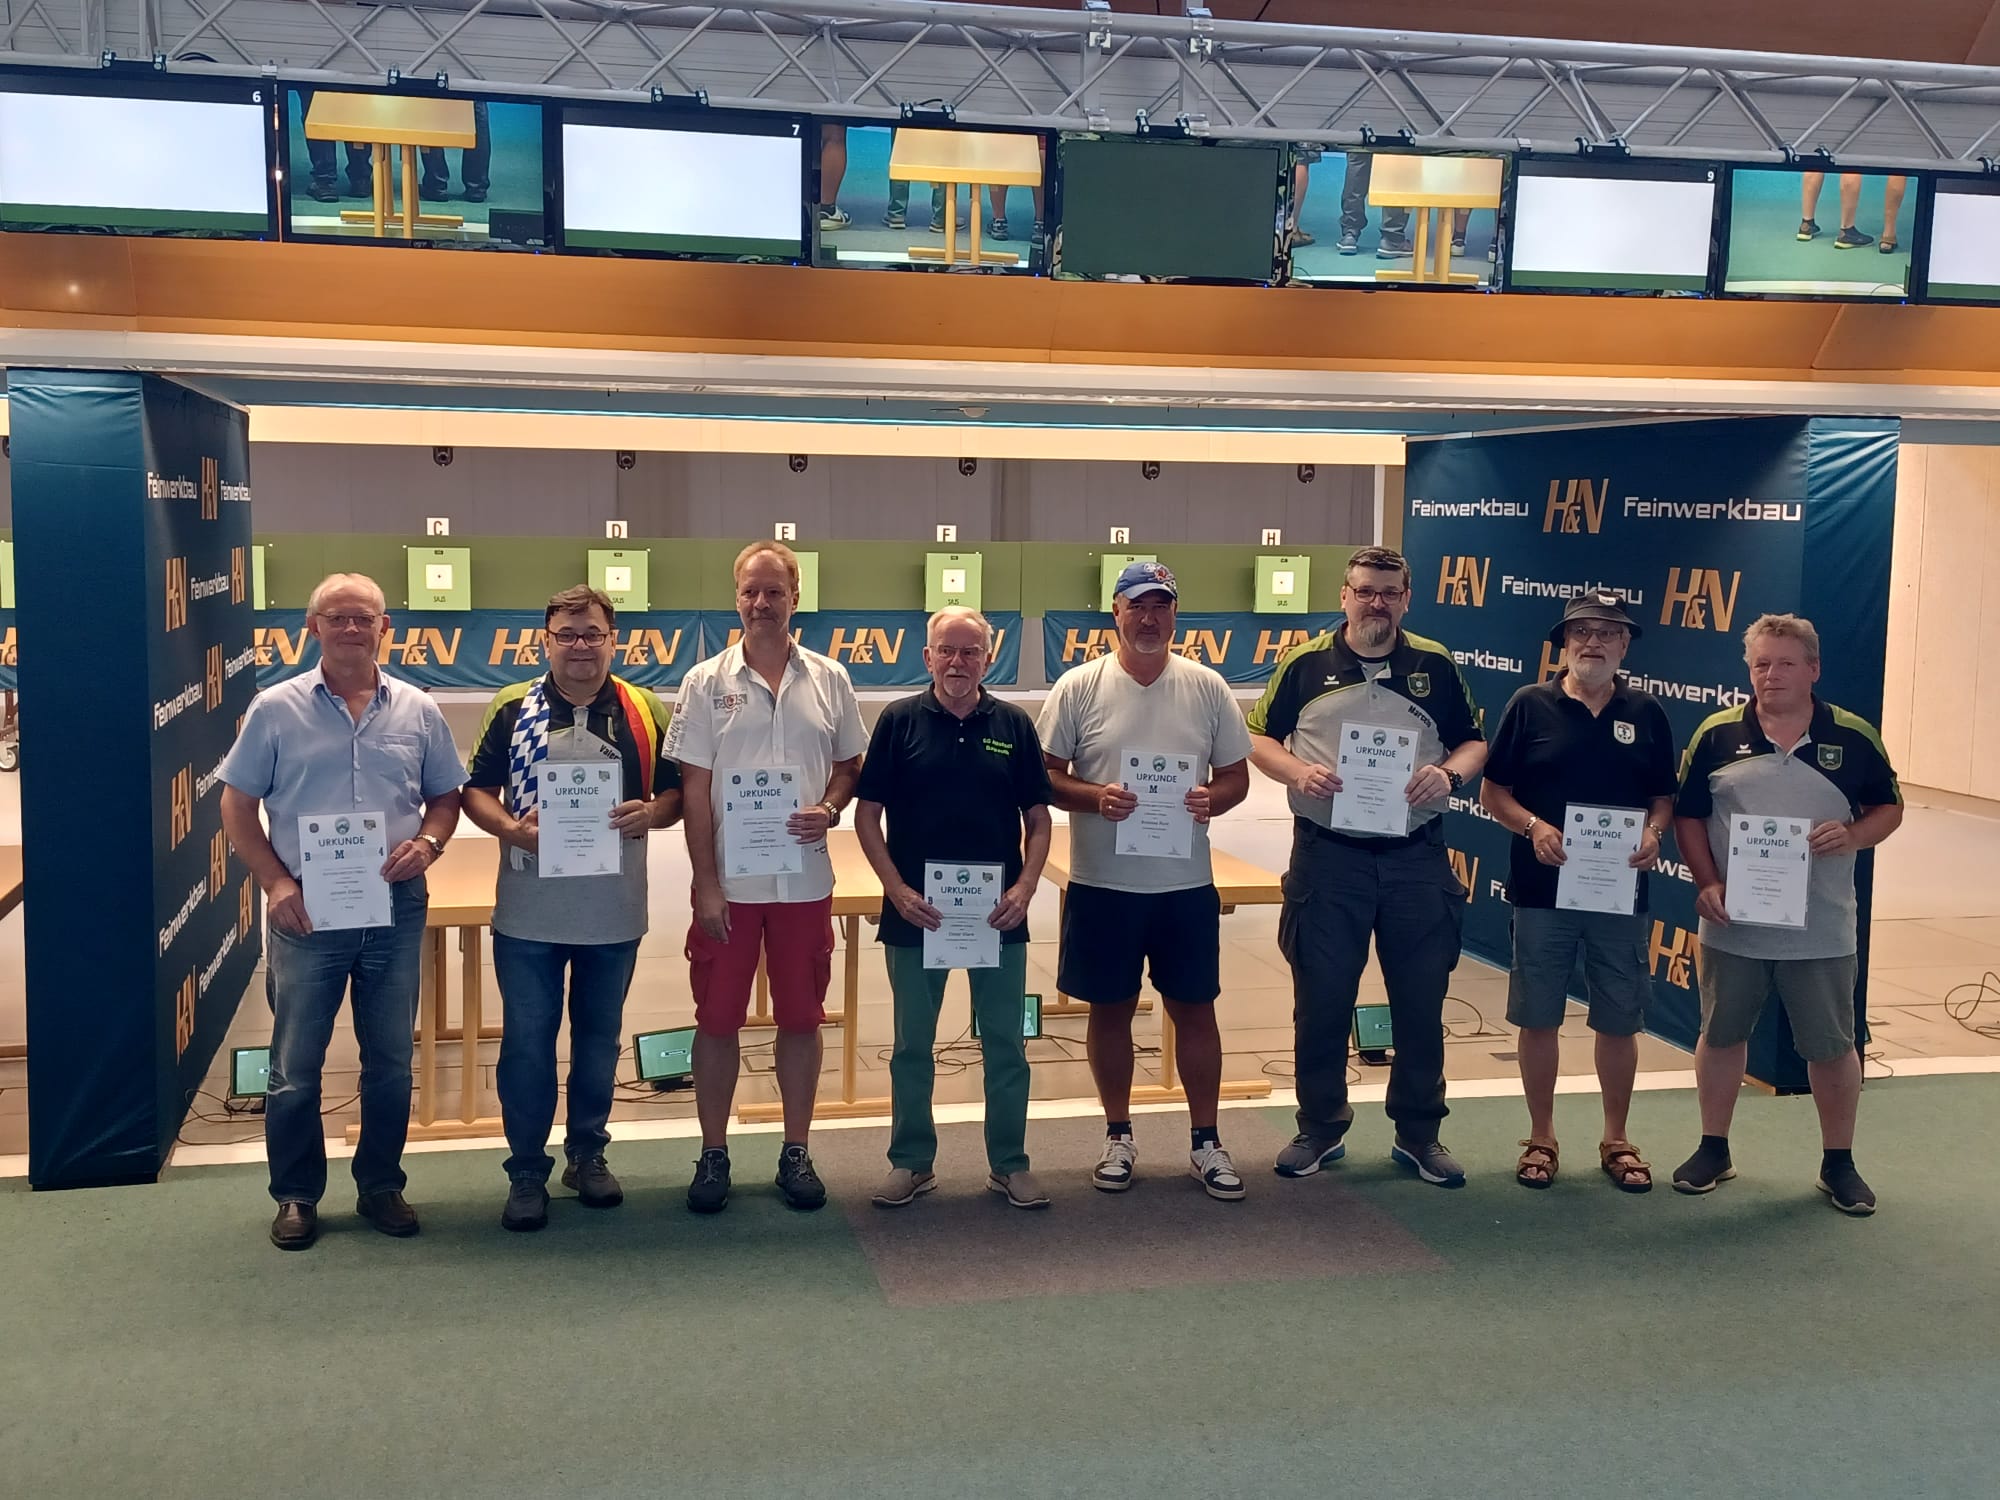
<point>1244,648</point>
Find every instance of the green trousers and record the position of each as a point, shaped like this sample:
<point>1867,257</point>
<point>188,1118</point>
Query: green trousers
<point>997,1000</point>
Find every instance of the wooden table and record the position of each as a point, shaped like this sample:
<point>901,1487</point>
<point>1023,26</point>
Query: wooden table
<point>1238,883</point>
<point>461,901</point>
<point>950,157</point>
<point>10,897</point>
<point>386,121</point>
<point>857,894</point>
<point>1433,185</point>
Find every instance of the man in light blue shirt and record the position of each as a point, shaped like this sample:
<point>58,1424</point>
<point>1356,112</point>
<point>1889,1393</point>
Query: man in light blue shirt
<point>347,738</point>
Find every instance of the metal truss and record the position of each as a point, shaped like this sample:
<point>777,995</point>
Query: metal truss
<point>1076,70</point>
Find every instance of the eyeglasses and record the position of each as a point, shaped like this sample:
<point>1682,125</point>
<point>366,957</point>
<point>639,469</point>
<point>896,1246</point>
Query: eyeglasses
<point>591,638</point>
<point>1378,596</point>
<point>1605,633</point>
<point>352,622</point>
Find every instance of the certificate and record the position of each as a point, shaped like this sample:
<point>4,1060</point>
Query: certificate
<point>1598,843</point>
<point>1770,867</point>
<point>340,869</point>
<point>1375,765</point>
<point>756,803</point>
<point>964,894</point>
<point>1160,827</point>
<point>573,805</point>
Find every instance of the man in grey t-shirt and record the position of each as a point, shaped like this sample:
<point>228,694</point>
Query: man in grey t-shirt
<point>1146,712</point>
<point>548,925</point>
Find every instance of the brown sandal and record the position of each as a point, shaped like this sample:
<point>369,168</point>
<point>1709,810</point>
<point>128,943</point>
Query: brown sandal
<point>1621,1163</point>
<point>1540,1156</point>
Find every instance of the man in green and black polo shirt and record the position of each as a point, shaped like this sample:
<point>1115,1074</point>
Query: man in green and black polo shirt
<point>1583,739</point>
<point>1343,887</point>
<point>1785,754</point>
<point>585,927</point>
<point>959,773</point>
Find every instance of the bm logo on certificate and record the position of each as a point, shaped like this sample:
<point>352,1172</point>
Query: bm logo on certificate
<point>1575,507</point>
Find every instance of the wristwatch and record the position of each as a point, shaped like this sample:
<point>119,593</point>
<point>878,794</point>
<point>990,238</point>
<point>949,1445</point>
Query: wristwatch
<point>1457,781</point>
<point>832,815</point>
<point>1528,828</point>
<point>436,843</point>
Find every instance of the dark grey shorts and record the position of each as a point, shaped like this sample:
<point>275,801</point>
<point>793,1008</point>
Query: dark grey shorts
<point>1817,993</point>
<point>1616,976</point>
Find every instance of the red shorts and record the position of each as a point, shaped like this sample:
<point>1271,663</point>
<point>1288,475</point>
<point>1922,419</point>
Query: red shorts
<point>795,939</point>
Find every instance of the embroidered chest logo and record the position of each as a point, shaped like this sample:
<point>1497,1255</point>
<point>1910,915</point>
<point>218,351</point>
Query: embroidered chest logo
<point>1624,733</point>
<point>728,703</point>
<point>1420,684</point>
<point>1830,757</point>
<point>998,747</point>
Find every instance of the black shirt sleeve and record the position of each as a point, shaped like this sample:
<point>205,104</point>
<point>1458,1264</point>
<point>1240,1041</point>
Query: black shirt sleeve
<point>1503,761</point>
<point>1275,714</point>
<point>1695,799</point>
<point>1032,787</point>
<point>1458,715</point>
<point>489,761</point>
<point>1660,763</point>
<point>878,766</point>
<point>1878,788</point>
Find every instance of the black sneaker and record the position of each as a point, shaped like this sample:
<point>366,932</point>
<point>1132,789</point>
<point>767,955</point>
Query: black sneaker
<point>1852,239</point>
<point>475,195</point>
<point>527,1206</point>
<point>1430,1161</point>
<point>323,192</point>
<point>1845,1190</point>
<point>709,1192</point>
<point>1808,229</point>
<point>593,1183</point>
<point>1390,246</point>
<point>798,1181</point>
<point>1701,1172</point>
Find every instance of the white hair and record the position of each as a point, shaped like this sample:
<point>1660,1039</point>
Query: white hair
<point>959,612</point>
<point>335,581</point>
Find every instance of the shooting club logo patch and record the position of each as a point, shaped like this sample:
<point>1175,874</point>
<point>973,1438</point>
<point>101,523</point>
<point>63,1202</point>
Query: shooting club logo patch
<point>1830,757</point>
<point>1420,684</point>
<point>1624,733</point>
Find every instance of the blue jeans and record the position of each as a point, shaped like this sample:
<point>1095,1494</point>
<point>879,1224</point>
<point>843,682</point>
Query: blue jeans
<point>531,991</point>
<point>305,979</point>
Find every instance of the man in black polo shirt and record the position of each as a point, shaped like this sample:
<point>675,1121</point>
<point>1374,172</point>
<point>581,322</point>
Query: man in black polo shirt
<point>1344,887</point>
<point>1582,740</point>
<point>959,773</point>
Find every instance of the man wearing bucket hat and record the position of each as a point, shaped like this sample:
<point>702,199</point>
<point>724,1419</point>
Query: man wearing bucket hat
<point>1128,911</point>
<point>1580,748</point>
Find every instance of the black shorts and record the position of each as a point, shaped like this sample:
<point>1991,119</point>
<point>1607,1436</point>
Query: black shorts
<point>1108,937</point>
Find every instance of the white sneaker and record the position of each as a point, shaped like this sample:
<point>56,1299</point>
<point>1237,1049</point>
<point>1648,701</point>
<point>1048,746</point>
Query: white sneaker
<point>1211,1166</point>
<point>1114,1167</point>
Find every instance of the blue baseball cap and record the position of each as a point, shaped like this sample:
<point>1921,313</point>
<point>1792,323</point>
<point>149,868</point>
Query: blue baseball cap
<point>1143,578</point>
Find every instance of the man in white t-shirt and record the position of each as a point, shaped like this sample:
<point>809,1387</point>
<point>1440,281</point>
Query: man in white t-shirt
<point>1146,711</point>
<point>766,719</point>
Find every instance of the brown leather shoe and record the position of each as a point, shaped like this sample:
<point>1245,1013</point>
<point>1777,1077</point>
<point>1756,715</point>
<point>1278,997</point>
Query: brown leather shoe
<point>388,1212</point>
<point>295,1227</point>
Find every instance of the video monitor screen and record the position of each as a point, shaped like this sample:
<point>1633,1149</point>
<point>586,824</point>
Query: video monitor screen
<point>1964,241</point>
<point>664,1056</point>
<point>414,167</point>
<point>680,186</point>
<point>1168,210</point>
<point>192,159</point>
<point>1818,234</point>
<point>919,196</point>
<point>1631,227</point>
<point>1395,218</point>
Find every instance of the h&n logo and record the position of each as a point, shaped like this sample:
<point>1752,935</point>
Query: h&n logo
<point>1272,644</point>
<point>246,910</point>
<point>1087,645</point>
<point>211,679</point>
<point>218,864</point>
<point>177,592</point>
<point>1552,662</point>
<point>180,807</point>
<point>1705,603</point>
<point>1462,580</point>
<point>1575,507</point>
<point>184,1015</point>
<point>1680,953</point>
<point>211,489</point>
<point>864,644</point>
<point>1466,868</point>
<point>239,589</point>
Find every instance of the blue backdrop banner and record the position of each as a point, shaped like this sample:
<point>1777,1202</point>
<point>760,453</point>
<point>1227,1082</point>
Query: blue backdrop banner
<point>1700,527</point>
<point>881,648</point>
<point>1244,648</point>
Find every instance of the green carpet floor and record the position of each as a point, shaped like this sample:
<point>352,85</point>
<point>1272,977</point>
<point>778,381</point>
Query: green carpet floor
<point>1353,1334</point>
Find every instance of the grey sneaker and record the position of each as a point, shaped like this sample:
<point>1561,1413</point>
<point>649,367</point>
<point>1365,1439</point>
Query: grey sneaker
<point>902,1186</point>
<point>527,1206</point>
<point>1306,1155</point>
<point>1114,1167</point>
<point>1212,1168</point>
<point>1350,242</point>
<point>593,1183</point>
<point>893,218</point>
<point>1430,1161</point>
<point>1020,1188</point>
<point>798,1181</point>
<point>1390,246</point>
<point>709,1191</point>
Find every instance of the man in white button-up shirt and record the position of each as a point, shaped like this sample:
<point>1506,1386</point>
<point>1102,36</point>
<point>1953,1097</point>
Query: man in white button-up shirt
<point>764,710</point>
